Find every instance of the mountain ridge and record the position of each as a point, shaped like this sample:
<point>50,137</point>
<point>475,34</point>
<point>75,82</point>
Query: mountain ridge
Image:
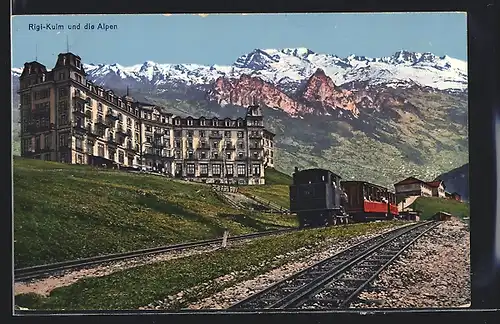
<point>373,119</point>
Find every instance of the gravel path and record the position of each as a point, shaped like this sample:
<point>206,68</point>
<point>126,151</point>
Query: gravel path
<point>45,285</point>
<point>244,289</point>
<point>433,272</point>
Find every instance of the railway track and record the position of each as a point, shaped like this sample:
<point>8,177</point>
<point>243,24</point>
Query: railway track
<point>333,283</point>
<point>28,273</point>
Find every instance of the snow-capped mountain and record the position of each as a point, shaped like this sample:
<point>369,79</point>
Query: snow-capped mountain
<point>290,67</point>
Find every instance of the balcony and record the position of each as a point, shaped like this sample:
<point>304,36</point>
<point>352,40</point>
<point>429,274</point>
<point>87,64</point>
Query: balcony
<point>215,136</point>
<point>121,131</point>
<point>131,147</point>
<point>158,144</point>
<point>79,96</point>
<point>216,158</point>
<point>79,127</point>
<point>203,147</point>
<point>37,129</point>
<point>112,141</point>
<point>78,111</point>
<point>111,117</point>
<point>93,131</point>
<point>101,123</point>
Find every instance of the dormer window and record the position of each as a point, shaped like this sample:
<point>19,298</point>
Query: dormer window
<point>177,121</point>
<point>190,122</point>
<point>228,123</point>
<point>239,123</point>
<point>77,63</point>
<point>202,122</point>
<point>214,122</point>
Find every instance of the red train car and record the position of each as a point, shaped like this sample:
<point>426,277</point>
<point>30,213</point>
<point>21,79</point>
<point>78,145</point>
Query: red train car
<point>369,202</point>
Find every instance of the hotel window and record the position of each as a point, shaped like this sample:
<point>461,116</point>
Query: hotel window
<point>130,160</point>
<point>79,159</point>
<point>240,145</point>
<point>202,123</point>
<point>149,139</point>
<point>215,155</point>
<point>202,133</point>
<point>61,76</point>
<point>90,147</point>
<point>203,155</point>
<point>63,140</point>
<point>78,143</point>
<point>203,169</point>
<point>100,150</point>
<point>190,169</point>
<point>256,169</point>
<point>240,155</point>
<point>190,122</point>
<point>47,141</point>
<point>63,92</point>
<point>229,169</point>
<point>177,122</point>
<point>190,144</point>
<point>228,123</point>
<point>177,154</point>
<point>177,133</point>
<point>99,107</point>
<point>216,144</point>
<point>121,157</point>
<point>241,169</point>
<point>178,144</point>
<point>129,121</point>
<point>37,142</point>
<point>240,134</point>
<point>78,78</point>
<point>111,154</point>
<point>214,122</point>
<point>239,125</point>
<point>190,133</point>
<point>228,155</point>
<point>216,169</point>
<point>227,134</point>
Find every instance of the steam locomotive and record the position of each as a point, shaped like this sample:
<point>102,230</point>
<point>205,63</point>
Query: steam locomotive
<point>320,198</point>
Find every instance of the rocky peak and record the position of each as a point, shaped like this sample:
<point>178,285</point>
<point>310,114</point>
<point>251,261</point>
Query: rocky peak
<point>321,92</point>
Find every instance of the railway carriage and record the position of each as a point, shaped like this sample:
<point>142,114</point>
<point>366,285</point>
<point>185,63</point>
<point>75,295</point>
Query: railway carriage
<point>369,202</point>
<point>316,198</point>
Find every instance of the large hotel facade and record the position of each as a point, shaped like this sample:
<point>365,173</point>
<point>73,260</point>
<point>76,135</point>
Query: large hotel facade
<point>66,118</point>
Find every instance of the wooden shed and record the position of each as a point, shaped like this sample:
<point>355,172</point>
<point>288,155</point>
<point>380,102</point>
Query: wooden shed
<point>410,215</point>
<point>442,216</point>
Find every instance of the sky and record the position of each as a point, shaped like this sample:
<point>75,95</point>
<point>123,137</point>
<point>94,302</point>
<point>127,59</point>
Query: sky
<point>221,39</point>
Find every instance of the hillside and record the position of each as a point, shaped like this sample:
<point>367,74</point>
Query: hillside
<point>66,212</point>
<point>431,205</point>
<point>378,119</point>
<point>457,180</point>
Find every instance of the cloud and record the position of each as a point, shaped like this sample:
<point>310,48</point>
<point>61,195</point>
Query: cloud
<point>167,14</point>
<point>202,15</point>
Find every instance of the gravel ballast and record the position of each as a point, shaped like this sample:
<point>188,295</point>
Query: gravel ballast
<point>434,272</point>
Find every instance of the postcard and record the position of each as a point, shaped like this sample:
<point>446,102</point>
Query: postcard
<point>240,162</point>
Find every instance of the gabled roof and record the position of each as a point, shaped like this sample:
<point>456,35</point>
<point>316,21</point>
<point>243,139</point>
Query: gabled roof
<point>435,184</point>
<point>410,180</point>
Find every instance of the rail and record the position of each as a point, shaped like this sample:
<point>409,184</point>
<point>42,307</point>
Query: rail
<point>23,274</point>
<point>336,281</point>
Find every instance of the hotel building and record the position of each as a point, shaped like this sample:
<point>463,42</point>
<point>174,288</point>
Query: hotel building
<point>67,118</point>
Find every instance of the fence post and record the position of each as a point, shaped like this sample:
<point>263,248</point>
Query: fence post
<point>224,238</point>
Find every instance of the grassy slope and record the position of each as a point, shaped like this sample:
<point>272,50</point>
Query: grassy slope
<point>66,212</point>
<point>275,189</point>
<point>136,287</point>
<point>431,205</point>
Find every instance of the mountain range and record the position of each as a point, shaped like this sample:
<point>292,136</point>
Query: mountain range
<point>377,119</point>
